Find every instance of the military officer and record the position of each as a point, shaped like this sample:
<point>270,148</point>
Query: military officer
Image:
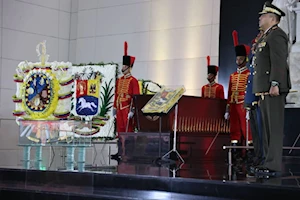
<point>239,131</point>
<point>212,89</point>
<point>271,82</point>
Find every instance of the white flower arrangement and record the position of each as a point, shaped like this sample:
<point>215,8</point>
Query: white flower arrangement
<point>59,71</point>
<point>108,72</point>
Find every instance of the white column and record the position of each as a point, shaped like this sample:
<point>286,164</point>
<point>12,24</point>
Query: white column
<point>297,11</point>
<point>294,60</point>
<point>296,46</point>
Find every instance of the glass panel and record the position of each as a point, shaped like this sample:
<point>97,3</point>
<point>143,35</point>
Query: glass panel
<point>55,133</point>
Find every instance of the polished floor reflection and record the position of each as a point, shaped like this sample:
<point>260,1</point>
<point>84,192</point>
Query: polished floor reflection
<point>206,170</point>
<point>204,159</point>
<point>144,178</point>
<point>143,174</point>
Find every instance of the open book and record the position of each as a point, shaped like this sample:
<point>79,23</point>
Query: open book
<point>163,100</point>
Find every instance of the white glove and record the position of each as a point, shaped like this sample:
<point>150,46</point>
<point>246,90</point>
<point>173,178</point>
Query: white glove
<point>114,112</point>
<point>130,114</point>
<point>247,115</point>
<point>226,116</point>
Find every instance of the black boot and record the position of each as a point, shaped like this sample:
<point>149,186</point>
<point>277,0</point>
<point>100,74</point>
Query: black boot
<point>250,163</point>
<point>249,159</point>
<point>237,160</point>
<point>116,157</point>
<point>236,155</point>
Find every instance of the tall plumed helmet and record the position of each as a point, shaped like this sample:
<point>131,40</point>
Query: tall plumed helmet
<point>240,49</point>
<point>211,69</point>
<point>127,60</point>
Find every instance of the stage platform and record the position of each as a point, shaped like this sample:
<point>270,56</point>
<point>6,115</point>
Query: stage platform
<point>137,180</point>
<point>139,175</point>
<point>205,174</point>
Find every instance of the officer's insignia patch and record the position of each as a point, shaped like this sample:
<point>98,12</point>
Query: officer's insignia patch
<point>262,44</point>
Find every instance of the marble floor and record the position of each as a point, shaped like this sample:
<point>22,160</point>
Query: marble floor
<point>206,170</point>
<point>142,178</point>
<point>141,174</point>
<point>145,179</point>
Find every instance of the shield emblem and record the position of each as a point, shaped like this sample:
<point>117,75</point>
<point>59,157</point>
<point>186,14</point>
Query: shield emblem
<point>40,94</point>
<point>87,97</point>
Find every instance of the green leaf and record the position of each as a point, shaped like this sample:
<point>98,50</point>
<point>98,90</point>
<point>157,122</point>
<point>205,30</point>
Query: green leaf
<point>106,96</point>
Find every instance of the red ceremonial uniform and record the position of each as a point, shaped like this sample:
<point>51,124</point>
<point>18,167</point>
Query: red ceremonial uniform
<point>236,95</point>
<point>237,112</point>
<point>213,90</point>
<point>126,87</point>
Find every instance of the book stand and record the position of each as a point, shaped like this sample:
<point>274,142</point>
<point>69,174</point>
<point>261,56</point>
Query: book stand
<point>174,137</point>
<point>161,103</point>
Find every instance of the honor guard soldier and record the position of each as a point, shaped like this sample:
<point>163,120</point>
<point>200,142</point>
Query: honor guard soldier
<point>212,89</point>
<point>253,115</point>
<point>126,87</point>
<point>239,132</point>
<point>271,82</point>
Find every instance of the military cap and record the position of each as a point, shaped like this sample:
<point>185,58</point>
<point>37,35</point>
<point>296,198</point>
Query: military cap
<point>270,8</point>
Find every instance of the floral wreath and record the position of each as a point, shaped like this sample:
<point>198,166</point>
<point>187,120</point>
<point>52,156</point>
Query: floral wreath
<point>145,86</point>
<point>45,101</point>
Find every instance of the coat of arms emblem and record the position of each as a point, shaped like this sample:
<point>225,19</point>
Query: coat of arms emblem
<point>87,95</point>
